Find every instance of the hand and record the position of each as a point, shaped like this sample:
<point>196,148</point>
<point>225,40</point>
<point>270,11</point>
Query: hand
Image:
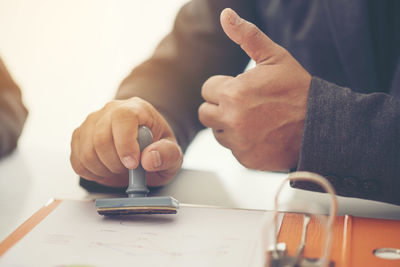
<point>105,146</point>
<point>258,114</point>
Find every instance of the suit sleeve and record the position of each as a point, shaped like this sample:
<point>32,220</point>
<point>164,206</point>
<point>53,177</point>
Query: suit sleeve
<point>12,112</point>
<point>196,49</point>
<point>353,140</point>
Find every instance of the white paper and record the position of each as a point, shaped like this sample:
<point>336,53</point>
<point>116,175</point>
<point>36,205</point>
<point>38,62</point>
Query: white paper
<point>75,235</point>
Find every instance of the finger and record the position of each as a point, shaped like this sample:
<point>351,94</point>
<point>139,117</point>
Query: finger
<point>77,166</point>
<point>104,145</point>
<point>124,125</point>
<point>210,116</point>
<point>253,41</point>
<point>211,89</point>
<point>87,154</point>
<point>163,155</point>
<point>161,160</point>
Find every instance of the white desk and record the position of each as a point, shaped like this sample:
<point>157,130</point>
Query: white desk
<point>69,57</point>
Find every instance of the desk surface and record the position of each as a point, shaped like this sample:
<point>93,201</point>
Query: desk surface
<point>69,57</point>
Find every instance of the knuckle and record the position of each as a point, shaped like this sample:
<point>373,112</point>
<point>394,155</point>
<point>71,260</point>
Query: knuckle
<point>215,81</point>
<point>137,102</point>
<point>236,92</point>
<point>111,104</point>
<point>231,96</point>
<point>87,157</point>
<point>92,116</point>
<point>90,119</point>
<point>125,112</point>
<point>211,80</point>
<point>77,167</point>
<point>75,135</point>
<point>100,140</point>
<point>144,105</point>
<point>202,114</point>
<point>207,82</point>
<point>136,99</point>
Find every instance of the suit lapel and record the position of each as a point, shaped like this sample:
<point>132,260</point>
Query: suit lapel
<point>348,21</point>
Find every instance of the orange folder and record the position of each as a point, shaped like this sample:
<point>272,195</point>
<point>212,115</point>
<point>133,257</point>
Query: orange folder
<point>27,226</point>
<point>354,239</point>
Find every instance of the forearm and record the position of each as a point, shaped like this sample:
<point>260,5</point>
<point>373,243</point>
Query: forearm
<point>353,140</point>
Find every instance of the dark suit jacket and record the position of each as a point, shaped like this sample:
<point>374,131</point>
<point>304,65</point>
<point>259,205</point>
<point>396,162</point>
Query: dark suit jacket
<point>12,112</point>
<point>352,128</point>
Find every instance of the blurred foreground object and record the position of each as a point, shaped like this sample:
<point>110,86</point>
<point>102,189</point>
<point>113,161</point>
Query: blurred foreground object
<point>12,112</point>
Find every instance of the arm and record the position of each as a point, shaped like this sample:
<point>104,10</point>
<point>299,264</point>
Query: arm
<point>12,112</point>
<point>162,93</point>
<point>353,140</point>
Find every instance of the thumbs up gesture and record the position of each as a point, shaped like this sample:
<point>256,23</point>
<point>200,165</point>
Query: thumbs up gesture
<point>259,115</point>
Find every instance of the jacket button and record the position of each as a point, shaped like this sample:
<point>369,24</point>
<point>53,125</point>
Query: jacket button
<point>370,186</point>
<point>350,182</point>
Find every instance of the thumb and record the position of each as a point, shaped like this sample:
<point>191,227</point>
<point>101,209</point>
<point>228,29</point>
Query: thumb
<point>253,41</point>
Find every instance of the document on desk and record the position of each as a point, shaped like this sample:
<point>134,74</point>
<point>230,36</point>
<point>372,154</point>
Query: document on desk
<point>73,234</point>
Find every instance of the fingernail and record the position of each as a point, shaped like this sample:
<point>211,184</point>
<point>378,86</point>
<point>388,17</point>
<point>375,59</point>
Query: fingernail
<point>129,162</point>
<point>156,158</point>
<point>234,18</point>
